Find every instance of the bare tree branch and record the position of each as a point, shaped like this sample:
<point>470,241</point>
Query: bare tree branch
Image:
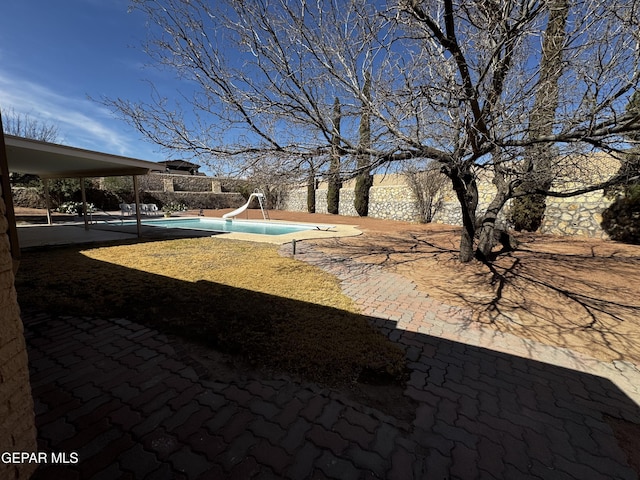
<point>454,81</point>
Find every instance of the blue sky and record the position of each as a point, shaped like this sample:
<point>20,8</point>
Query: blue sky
<point>54,55</point>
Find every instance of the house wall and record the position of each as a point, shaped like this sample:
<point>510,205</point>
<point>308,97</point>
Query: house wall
<point>17,419</point>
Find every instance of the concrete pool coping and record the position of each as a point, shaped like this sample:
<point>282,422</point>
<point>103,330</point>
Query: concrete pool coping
<point>69,233</point>
<point>321,231</point>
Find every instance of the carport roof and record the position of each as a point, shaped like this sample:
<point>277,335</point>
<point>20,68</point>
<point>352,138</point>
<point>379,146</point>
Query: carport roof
<point>50,160</point>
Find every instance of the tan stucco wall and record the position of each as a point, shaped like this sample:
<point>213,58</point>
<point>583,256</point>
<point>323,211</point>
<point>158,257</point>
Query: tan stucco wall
<point>17,421</point>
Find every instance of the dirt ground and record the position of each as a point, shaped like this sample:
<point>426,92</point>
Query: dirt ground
<point>582,294</point>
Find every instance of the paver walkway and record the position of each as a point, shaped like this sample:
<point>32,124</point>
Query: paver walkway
<point>388,296</point>
<point>133,404</point>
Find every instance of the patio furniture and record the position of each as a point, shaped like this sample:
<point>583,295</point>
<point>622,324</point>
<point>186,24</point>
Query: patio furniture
<point>125,209</point>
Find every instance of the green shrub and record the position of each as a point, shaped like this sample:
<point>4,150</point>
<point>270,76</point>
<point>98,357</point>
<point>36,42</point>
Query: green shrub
<point>621,220</point>
<point>527,212</point>
<point>75,208</point>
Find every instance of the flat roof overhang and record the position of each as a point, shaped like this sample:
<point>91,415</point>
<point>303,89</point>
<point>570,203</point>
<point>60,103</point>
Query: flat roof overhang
<point>50,160</point>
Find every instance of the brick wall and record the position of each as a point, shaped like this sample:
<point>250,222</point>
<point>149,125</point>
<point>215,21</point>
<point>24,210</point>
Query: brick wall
<point>17,422</point>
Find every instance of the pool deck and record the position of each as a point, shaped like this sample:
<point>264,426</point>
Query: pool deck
<point>31,236</point>
<point>74,232</point>
<point>320,231</point>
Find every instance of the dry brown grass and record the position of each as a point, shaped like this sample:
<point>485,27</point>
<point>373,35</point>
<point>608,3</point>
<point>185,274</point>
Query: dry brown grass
<point>241,297</point>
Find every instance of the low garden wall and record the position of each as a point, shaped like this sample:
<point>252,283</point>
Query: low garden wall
<point>167,182</point>
<point>195,200</point>
<point>192,190</point>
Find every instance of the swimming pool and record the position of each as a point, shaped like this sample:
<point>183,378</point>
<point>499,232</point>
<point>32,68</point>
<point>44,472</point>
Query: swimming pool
<point>219,225</point>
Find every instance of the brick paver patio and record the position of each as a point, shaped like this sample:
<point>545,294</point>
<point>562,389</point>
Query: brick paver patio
<point>133,404</point>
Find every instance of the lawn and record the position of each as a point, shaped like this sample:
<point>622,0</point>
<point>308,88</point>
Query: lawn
<point>239,297</point>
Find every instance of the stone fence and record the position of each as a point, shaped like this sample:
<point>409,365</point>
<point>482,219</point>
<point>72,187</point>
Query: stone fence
<point>196,191</point>
<point>193,190</point>
<point>392,198</point>
<point>167,182</point>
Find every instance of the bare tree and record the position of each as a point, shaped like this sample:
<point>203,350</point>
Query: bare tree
<point>24,125</point>
<point>426,183</point>
<point>454,81</point>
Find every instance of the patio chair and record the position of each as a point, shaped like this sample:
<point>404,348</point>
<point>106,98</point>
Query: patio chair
<point>125,209</point>
<point>152,209</point>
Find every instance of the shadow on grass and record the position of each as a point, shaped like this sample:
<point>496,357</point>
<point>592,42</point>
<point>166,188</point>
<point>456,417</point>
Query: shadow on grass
<point>316,342</point>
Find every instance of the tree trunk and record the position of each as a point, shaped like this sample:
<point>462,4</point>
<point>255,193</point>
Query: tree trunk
<point>486,237</point>
<point>464,184</point>
<point>466,246</point>
<point>487,225</point>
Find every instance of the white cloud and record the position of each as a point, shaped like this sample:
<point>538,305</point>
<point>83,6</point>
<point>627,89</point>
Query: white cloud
<point>80,121</point>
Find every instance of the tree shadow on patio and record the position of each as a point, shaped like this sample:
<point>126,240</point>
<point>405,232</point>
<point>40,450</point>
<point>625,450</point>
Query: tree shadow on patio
<point>582,295</point>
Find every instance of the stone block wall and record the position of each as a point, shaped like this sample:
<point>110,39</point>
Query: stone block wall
<point>195,199</point>
<point>579,215</point>
<point>346,206</point>
<point>321,199</point>
<point>17,419</point>
<point>295,200</point>
<point>395,202</point>
<point>167,182</point>
<point>391,198</point>
<point>193,190</point>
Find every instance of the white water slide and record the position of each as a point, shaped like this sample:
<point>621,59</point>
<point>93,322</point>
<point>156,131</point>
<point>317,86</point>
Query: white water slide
<point>238,211</point>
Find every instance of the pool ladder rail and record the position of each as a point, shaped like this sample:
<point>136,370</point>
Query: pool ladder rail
<point>263,204</point>
<point>109,220</point>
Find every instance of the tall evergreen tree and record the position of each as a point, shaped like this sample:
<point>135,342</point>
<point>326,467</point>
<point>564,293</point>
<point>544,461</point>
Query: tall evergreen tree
<point>311,189</point>
<point>364,180</point>
<point>528,210</point>
<point>335,183</point>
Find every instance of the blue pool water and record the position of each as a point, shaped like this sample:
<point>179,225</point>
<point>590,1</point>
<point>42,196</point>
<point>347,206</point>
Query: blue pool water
<point>215,225</point>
